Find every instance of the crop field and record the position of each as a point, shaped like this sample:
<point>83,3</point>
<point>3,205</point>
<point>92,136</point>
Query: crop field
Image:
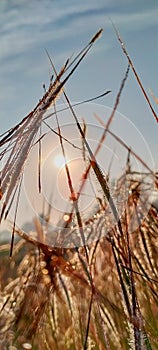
<point>92,281</point>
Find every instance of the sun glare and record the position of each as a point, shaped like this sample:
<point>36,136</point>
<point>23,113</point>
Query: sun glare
<point>59,161</point>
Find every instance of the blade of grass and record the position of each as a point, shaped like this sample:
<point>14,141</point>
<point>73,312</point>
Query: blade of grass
<point>79,103</point>
<point>140,274</point>
<point>15,216</point>
<point>39,160</point>
<point>134,71</point>
<point>127,302</point>
<point>88,321</point>
<point>135,312</point>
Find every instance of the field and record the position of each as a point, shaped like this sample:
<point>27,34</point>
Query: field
<point>96,286</point>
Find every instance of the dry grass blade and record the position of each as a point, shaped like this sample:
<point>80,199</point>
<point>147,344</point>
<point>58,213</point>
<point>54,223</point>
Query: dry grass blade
<point>79,103</point>
<point>124,290</point>
<point>96,36</point>
<point>88,321</point>
<point>16,211</point>
<point>135,317</point>
<point>134,71</point>
<point>117,99</point>
<point>64,138</point>
<point>39,161</point>
<point>113,111</point>
<point>138,273</point>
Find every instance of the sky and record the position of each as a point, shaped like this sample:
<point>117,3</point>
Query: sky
<point>29,27</point>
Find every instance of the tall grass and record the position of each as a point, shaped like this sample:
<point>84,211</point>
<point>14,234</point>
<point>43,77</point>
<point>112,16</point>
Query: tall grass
<point>101,291</point>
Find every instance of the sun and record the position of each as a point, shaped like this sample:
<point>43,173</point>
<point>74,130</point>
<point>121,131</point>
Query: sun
<point>59,161</point>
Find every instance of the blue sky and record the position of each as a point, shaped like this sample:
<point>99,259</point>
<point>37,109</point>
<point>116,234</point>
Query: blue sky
<point>29,27</point>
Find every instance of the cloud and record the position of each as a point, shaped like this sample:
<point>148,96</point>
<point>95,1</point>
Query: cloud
<point>138,20</point>
<point>28,27</point>
<point>36,24</point>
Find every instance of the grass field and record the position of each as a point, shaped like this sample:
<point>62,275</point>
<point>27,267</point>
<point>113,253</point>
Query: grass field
<point>97,287</point>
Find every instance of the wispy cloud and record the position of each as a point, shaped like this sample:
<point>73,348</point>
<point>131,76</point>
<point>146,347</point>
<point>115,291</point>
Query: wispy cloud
<point>32,26</point>
<point>27,28</point>
<point>137,20</point>
<point>36,24</point>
